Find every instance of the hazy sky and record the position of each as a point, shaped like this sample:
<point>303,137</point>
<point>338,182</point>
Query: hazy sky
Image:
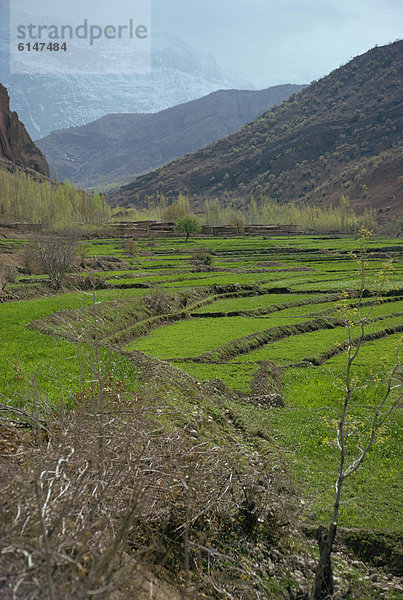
<point>263,41</point>
<point>278,41</point>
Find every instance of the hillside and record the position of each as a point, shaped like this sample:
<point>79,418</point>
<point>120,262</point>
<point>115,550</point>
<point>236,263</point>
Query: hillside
<point>339,135</point>
<point>137,143</point>
<point>16,146</point>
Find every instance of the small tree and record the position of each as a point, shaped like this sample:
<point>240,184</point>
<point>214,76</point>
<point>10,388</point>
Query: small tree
<point>238,221</point>
<point>177,210</point>
<point>8,274</point>
<point>131,247</point>
<point>158,302</point>
<point>344,203</point>
<point>202,259</point>
<point>82,251</point>
<point>188,225</point>
<point>202,256</point>
<point>56,256</point>
<point>352,453</point>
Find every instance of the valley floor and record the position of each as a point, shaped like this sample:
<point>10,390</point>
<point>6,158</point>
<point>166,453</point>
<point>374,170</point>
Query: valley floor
<point>241,349</point>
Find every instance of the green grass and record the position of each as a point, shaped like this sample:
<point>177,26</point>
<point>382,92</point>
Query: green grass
<point>229,278</point>
<point>309,346</point>
<point>372,353</point>
<point>371,499</point>
<point>157,278</point>
<point>250,302</point>
<point>236,377</point>
<point>192,337</point>
<point>105,247</point>
<point>303,430</point>
<point>278,245</point>
<point>50,362</point>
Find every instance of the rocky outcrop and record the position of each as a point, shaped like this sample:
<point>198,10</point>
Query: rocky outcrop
<point>16,145</point>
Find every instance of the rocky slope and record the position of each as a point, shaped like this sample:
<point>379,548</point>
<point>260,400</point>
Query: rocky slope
<point>16,146</point>
<point>119,147</point>
<point>340,135</point>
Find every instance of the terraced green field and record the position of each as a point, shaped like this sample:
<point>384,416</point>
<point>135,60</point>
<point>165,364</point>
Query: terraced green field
<point>262,318</point>
<point>30,359</point>
<point>251,303</point>
<point>310,346</point>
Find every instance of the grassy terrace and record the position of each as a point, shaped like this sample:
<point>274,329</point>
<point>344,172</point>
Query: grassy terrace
<point>51,361</point>
<point>178,340</point>
<point>250,303</point>
<point>307,347</point>
<point>306,273</point>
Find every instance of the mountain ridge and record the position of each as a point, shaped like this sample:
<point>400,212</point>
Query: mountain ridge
<point>140,142</point>
<point>180,73</point>
<point>304,150</point>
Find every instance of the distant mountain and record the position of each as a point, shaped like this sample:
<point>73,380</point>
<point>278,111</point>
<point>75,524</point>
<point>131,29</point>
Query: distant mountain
<point>179,74</point>
<point>16,147</point>
<point>119,147</point>
<point>340,135</point>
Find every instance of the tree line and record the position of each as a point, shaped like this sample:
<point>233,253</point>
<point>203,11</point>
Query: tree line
<point>24,198</point>
<point>262,211</point>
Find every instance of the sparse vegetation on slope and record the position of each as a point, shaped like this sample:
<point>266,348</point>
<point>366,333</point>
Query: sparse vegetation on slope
<point>339,135</point>
<point>118,147</point>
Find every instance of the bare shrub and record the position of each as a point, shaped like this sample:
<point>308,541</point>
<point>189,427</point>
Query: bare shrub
<point>8,274</point>
<point>131,247</point>
<point>55,256</point>
<point>88,491</point>
<point>202,259</point>
<point>82,252</point>
<point>31,264</point>
<point>70,510</point>
<point>158,302</point>
<point>151,243</point>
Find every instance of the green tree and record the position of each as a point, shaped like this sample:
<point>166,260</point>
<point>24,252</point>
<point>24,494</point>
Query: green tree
<point>188,225</point>
<point>238,221</point>
<point>23,198</point>
<point>214,212</point>
<point>254,211</point>
<point>177,210</point>
<point>344,203</point>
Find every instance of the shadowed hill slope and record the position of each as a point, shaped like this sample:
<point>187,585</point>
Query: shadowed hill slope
<point>339,135</point>
<point>120,146</point>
